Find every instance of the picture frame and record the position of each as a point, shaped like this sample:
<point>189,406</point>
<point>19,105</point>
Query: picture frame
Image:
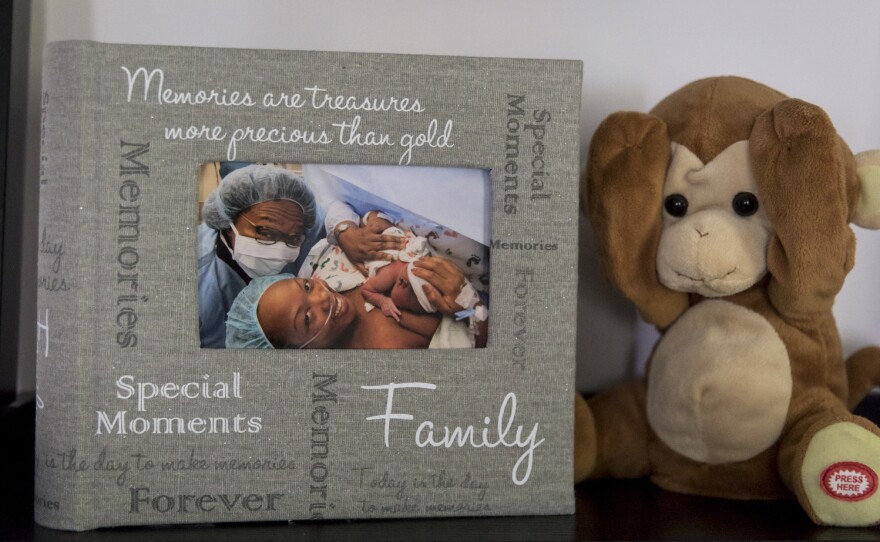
<point>297,434</point>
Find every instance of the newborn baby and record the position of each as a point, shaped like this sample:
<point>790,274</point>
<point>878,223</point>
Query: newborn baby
<point>392,285</point>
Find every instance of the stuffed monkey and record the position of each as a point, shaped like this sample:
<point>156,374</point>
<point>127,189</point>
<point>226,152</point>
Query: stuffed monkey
<point>724,216</point>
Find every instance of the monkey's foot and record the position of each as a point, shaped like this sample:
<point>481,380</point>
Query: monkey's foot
<point>839,474</point>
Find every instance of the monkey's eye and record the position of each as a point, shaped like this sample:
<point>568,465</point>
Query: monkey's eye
<point>745,204</point>
<point>676,205</point>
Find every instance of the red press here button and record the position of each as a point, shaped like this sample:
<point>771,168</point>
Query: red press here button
<point>849,481</point>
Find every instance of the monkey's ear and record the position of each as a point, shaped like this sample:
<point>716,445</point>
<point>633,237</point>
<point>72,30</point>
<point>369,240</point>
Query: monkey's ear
<point>623,195</point>
<point>868,207</point>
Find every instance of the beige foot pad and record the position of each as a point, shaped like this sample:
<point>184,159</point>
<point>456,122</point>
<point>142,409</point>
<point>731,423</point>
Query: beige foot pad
<point>840,475</point>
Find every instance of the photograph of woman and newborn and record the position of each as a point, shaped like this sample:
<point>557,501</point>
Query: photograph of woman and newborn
<point>360,257</point>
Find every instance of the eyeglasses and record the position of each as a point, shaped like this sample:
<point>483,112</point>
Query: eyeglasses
<point>270,236</point>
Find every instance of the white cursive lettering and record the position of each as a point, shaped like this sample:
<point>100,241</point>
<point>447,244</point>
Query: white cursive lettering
<point>430,434</point>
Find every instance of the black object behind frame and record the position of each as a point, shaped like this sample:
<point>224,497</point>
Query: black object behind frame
<point>14,38</point>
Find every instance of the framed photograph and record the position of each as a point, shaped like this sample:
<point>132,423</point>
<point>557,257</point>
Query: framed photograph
<point>324,297</point>
<point>303,285</point>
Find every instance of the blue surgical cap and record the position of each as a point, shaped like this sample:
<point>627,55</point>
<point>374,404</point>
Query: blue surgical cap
<point>250,185</point>
<point>242,327</point>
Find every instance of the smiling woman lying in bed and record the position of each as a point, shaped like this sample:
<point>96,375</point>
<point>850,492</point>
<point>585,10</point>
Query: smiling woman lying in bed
<point>288,312</point>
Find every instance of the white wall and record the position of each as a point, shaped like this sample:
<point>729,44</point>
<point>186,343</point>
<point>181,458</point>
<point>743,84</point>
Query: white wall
<point>634,53</point>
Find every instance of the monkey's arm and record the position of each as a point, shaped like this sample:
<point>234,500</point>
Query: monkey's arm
<point>624,180</point>
<point>798,163</point>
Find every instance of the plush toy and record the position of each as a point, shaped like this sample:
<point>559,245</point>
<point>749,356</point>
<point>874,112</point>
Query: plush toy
<point>724,216</point>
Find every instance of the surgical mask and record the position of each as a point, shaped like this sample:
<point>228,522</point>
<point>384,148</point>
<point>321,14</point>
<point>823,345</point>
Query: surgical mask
<point>258,260</point>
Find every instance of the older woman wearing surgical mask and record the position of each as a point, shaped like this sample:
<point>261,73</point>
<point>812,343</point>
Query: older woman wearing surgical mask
<point>254,225</point>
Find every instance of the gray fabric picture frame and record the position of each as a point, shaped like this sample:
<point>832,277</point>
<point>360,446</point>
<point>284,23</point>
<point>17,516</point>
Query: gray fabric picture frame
<point>137,424</point>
